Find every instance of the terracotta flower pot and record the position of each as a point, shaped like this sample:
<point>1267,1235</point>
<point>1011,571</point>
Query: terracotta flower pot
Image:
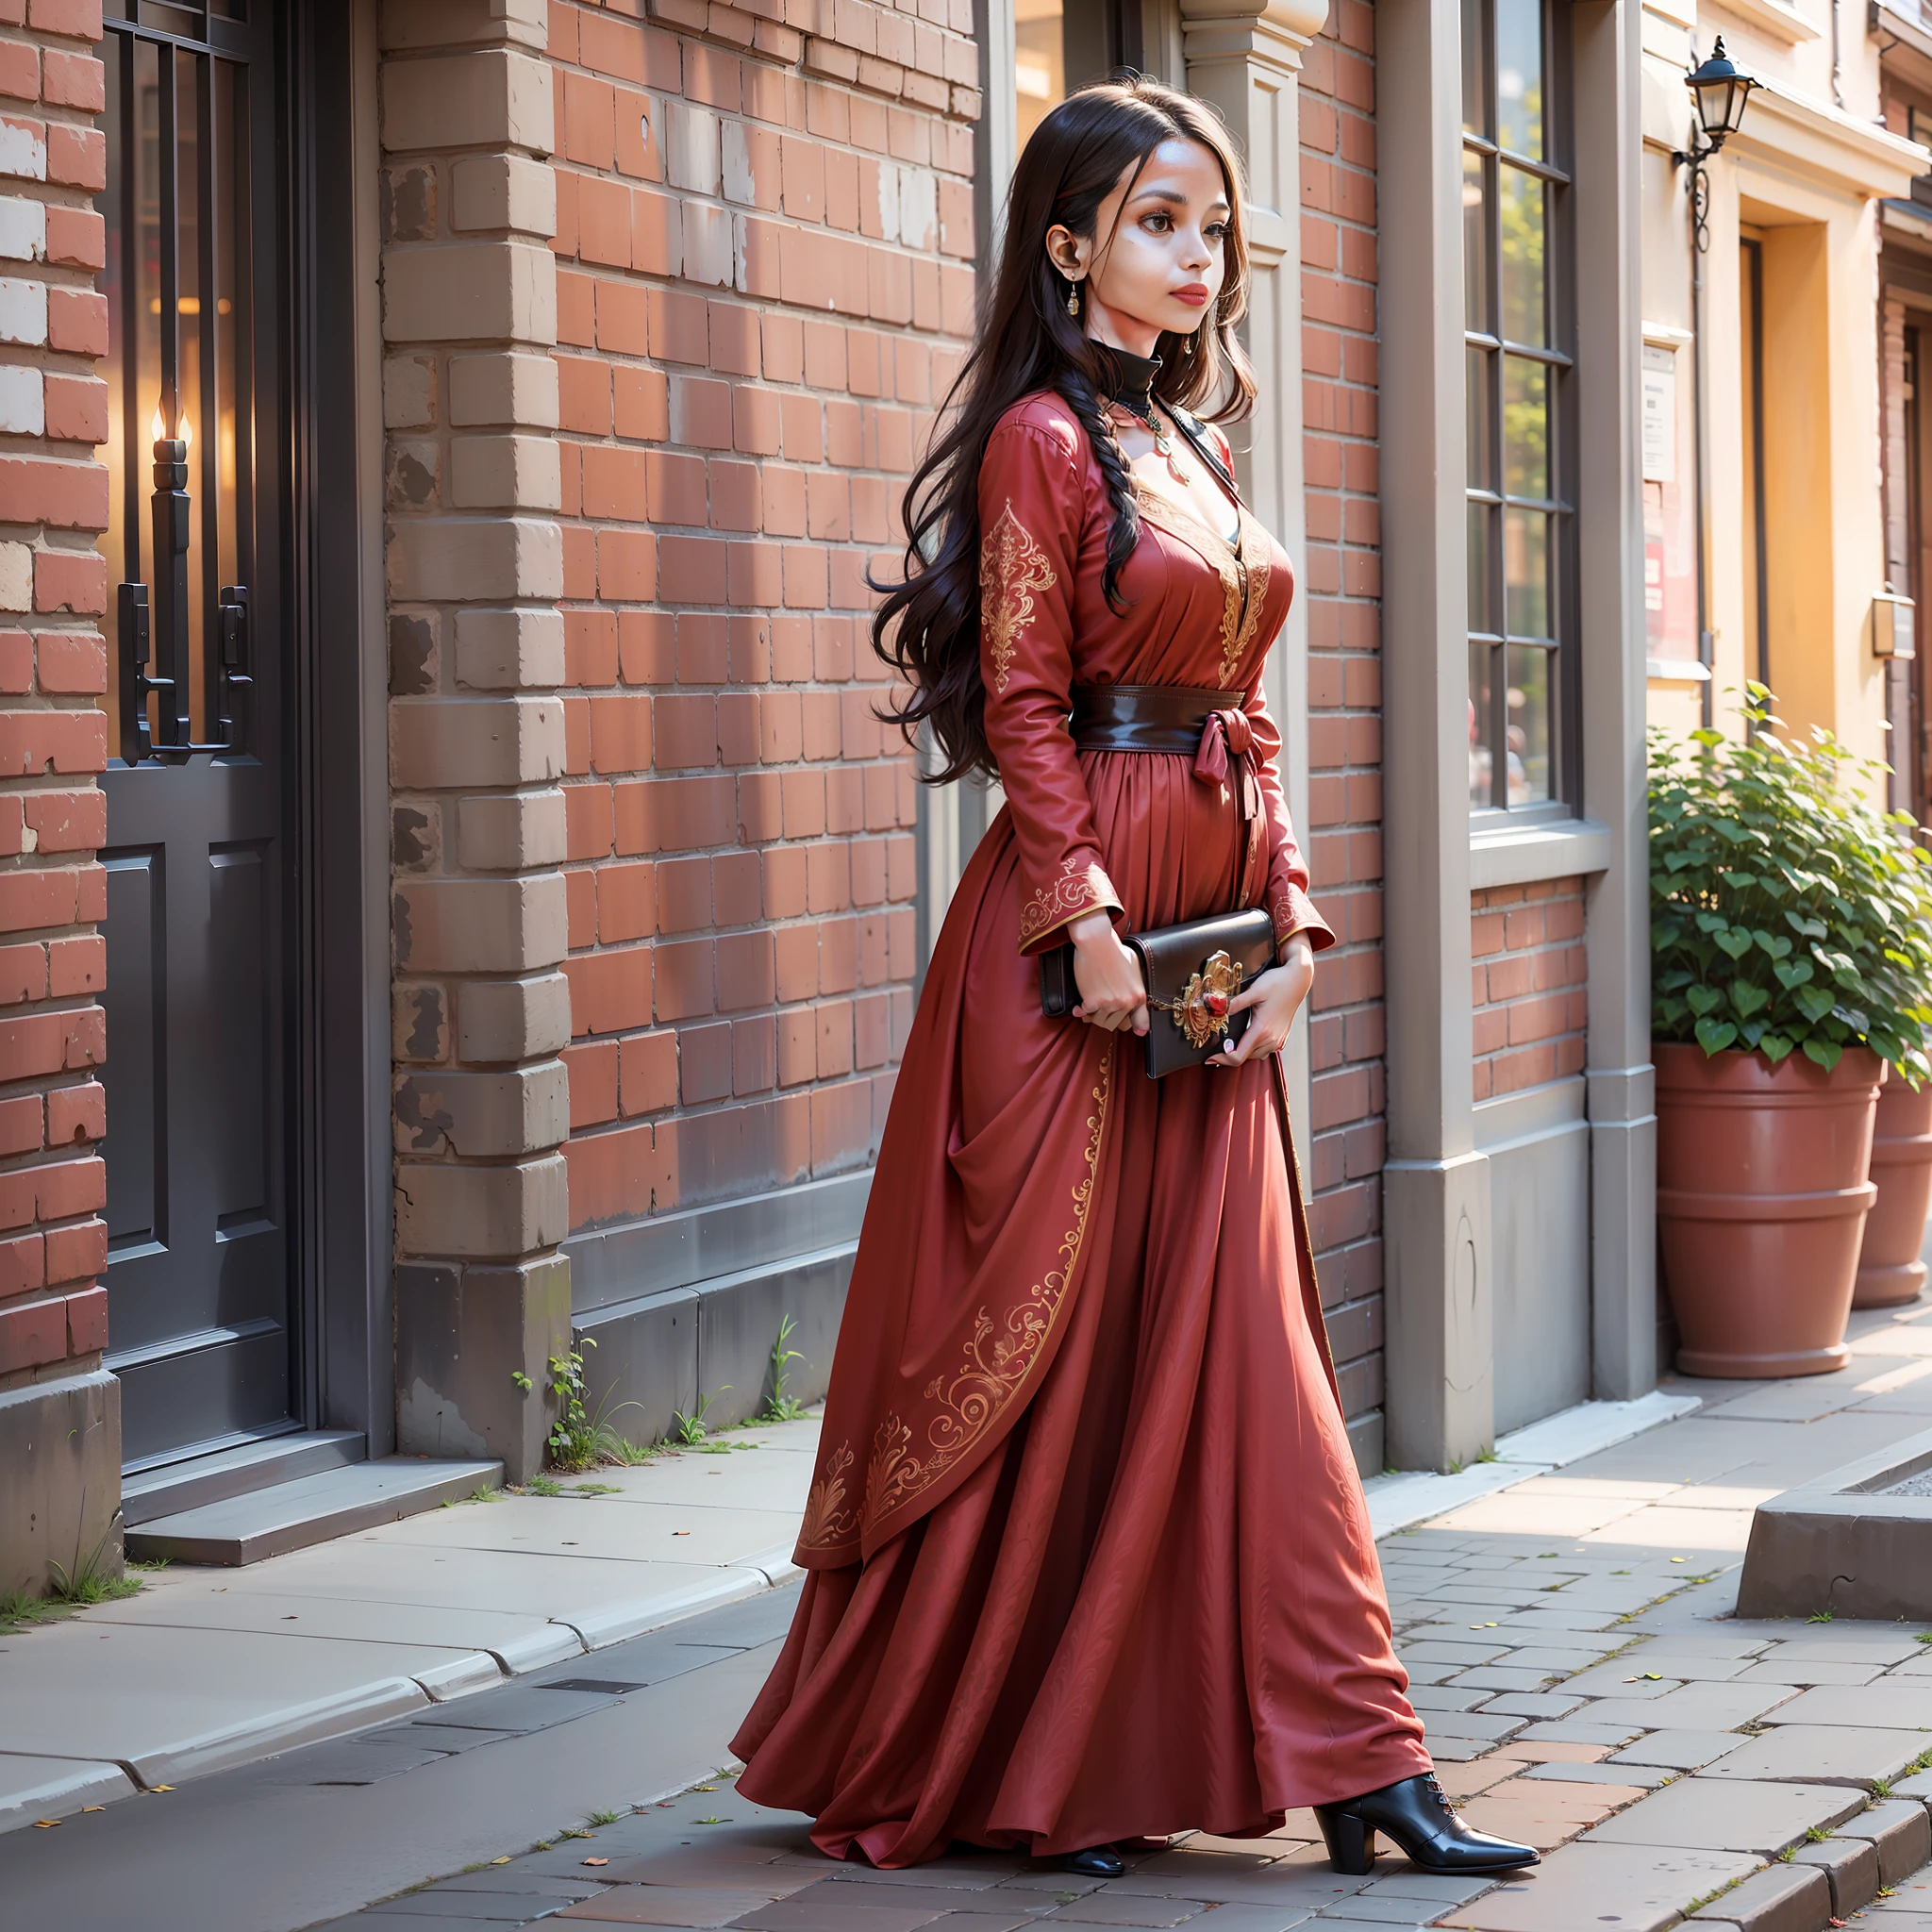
<point>1762,1201</point>
<point>1890,1271</point>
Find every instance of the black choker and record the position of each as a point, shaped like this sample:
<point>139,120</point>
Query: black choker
<point>1133,387</point>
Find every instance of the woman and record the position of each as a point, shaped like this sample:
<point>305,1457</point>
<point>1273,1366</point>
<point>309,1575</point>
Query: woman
<point>1087,1559</point>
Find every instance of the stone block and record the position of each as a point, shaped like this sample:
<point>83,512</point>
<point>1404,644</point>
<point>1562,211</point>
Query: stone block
<point>1730,1814</point>
<point>438,743</point>
<point>408,392</point>
<point>1683,1750</point>
<point>510,650</point>
<point>411,24</point>
<point>506,473</point>
<point>739,1317</point>
<point>463,1334</point>
<point>505,191</point>
<point>491,97</point>
<point>482,1212</point>
<point>1822,1755</point>
<point>479,926</point>
<point>1633,1887</point>
<point>59,1479</point>
<point>1898,1830</point>
<point>516,1110</point>
<point>499,1020</point>
<point>517,831</point>
<point>1851,1865</point>
<point>467,292</point>
<point>504,388</point>
<point>452,560</point>
<point>646,1354</point>
<point>1785,1898</point>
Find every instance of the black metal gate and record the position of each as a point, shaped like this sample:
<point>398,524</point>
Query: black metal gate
<point>200,887</point>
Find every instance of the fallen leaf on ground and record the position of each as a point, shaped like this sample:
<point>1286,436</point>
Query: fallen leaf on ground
<point>45,1823</point>
<point>596,1862</point>
<point>93,1807</point>
<point>503,1860</point>
<point>160,1787</point>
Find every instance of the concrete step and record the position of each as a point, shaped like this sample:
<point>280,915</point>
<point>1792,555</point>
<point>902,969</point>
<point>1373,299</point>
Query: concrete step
<point>177,1485</point>
<point>311,1509</point>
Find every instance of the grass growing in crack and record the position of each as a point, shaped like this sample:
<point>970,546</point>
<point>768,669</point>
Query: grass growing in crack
<point>606,1817</point>
<point>783,1408</point>
<point>688,1431</point>
<point>1881,1787</point>
<point>1822,1617</point>
<point>1697,1904</point>
<point>1817,1833</point>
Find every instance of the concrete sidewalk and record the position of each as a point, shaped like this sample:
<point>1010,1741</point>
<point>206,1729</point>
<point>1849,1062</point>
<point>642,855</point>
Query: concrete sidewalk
<point>1585,1687</point>
<point>209,1668</point>
<point>1568,1634</point>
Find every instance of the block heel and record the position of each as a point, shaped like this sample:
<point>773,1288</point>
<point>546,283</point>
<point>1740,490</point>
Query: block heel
<point>1351,1842</point>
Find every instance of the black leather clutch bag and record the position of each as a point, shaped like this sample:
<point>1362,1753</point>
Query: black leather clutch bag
<point>1192,971</point>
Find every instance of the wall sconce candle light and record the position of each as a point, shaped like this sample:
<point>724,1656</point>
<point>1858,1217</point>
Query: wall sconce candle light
<point>162,624</point>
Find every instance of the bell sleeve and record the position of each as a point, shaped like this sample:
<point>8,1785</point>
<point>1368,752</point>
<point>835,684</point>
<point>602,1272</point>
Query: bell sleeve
<point>1286,894</point>
<point>1031,511</point>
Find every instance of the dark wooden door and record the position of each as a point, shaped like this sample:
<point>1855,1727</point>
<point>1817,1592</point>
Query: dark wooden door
<point>198,859</point>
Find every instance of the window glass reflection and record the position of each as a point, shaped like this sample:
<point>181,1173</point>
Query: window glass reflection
<point>1519,77</point>
<point>1476,246</point>
<point>1526,573</point>
<point>1525,426</point>
<point>1039,66</point>
<point>1481,414</point>
<point>1530,705</point>
<point>1482,590</point>
<point>1482,756</point>
<point>1522,217</point>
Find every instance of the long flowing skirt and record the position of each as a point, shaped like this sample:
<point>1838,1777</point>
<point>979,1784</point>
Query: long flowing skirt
<point>1127,1587</point>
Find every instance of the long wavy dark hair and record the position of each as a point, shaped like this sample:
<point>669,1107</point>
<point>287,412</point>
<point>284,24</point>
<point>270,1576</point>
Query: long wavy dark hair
<point>928,626</point>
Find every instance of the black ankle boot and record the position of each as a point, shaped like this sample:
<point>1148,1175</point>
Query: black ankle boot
<point>1416,1815</point>
<point>1096,1861</point>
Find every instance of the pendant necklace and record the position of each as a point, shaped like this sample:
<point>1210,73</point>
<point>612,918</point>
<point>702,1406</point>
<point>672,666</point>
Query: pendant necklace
<point>1133,402</point>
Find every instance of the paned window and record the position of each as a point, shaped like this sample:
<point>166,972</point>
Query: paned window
<point>1517,320</point>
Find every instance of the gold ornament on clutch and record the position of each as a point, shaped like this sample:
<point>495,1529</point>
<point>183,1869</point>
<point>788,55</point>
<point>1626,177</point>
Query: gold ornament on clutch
<point>1202,1010</point>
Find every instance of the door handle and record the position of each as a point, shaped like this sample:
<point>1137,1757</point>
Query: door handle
<point>234,684</point>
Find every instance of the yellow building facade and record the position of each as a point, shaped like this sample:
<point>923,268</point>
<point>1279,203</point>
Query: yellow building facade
<point>1764,382</point>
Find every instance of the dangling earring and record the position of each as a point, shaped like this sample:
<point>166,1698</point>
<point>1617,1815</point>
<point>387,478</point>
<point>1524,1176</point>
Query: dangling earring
<point>1072,298</point>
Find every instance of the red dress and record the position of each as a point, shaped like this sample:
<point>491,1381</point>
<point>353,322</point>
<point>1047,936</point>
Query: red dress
<point>1087,1553</point>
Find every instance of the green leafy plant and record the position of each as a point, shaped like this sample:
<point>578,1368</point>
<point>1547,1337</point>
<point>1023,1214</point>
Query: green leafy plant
<point>783,1408</point>
<point>689,1430</point>
<point>1787,914</point>
<point>579,1438</point>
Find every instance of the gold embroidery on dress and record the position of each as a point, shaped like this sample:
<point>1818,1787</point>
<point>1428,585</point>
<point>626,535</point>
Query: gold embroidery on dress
<point>1076,889</point>
<point>825,1521</point>
<point>1011,567</point>
<point>1237,628</point>
<point>995,1367</point>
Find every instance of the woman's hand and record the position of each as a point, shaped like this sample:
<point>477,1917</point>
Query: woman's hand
<point>1112,994</point>
<point>1276,996</point>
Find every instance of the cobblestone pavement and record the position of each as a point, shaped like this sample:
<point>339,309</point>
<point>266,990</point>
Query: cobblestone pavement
<point>1585,1687</point>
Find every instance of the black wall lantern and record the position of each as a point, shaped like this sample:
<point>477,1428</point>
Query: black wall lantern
<point>1719,89</point>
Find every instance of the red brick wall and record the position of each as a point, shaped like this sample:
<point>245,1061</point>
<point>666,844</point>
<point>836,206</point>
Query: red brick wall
<point>1341,584</point>
<point>53,669</point>
<point>765,234</point>
<point>1531,1007</point>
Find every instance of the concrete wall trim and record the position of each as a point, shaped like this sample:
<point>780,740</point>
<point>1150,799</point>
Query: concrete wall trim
<point>1556,1106</point>
<point>1525,855</point>
<point>615,1266</point>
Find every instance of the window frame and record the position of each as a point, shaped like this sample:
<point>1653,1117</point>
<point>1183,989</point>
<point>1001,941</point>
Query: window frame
<point>1555,169</point>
